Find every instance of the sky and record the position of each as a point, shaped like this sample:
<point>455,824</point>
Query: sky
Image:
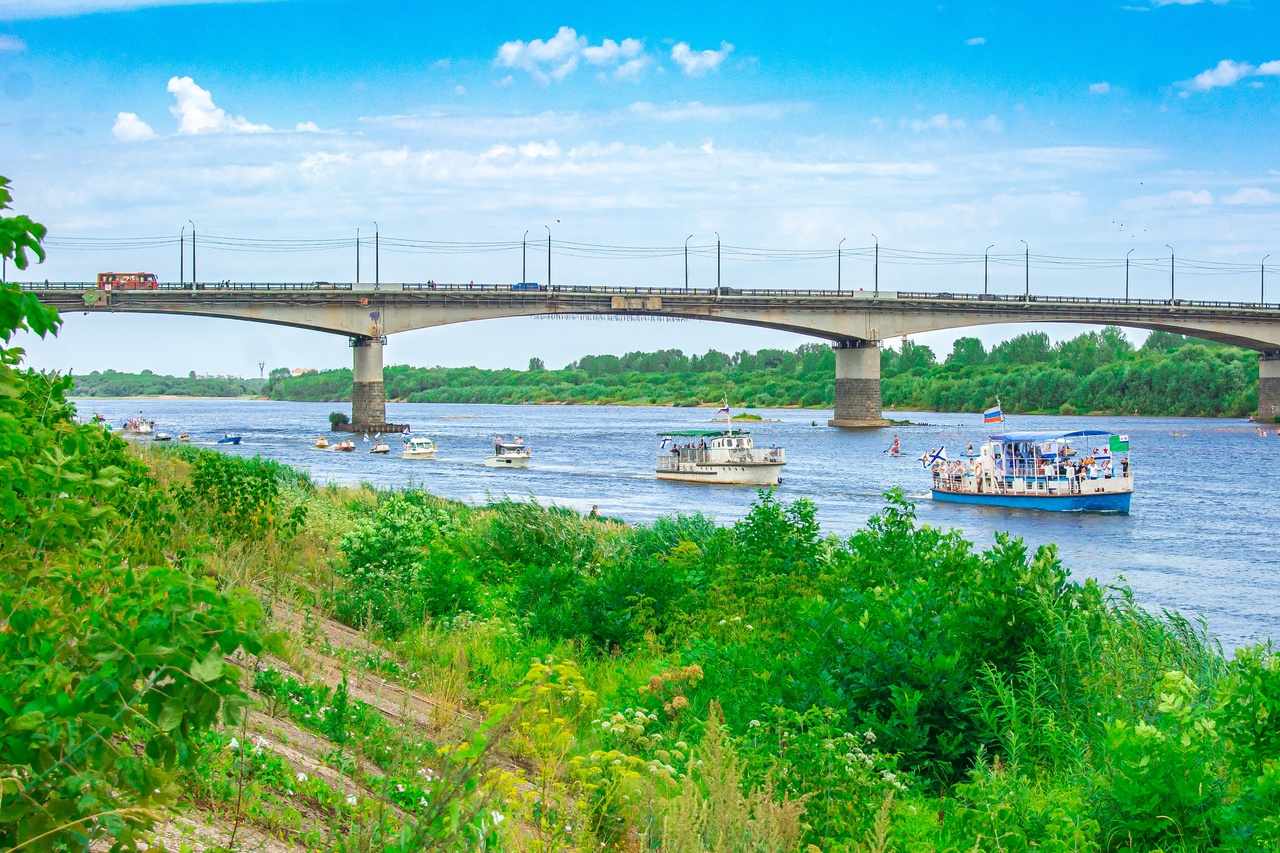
<point>1086,129</point>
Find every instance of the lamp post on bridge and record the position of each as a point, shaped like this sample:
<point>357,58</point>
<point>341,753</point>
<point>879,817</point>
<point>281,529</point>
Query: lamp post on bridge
<point>376,277</point>
<point>717,264</point>
<point>1126,274</point>
<point>686,262</point>
<point>193,254</point>
<point>876,275</point>
<point>839,262</point>
<point>548,227</point>
<point>1026,292</point>
<point>357,254</point>
<point>1172,261</point>
<point>1262,279</point>
<point>524,257</point>
<point>182,256</point>
<point>984,268</point>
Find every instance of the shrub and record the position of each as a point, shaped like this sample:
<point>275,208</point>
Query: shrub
<point>337,419</point>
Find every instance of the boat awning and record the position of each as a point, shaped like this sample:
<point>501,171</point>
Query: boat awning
<point>701,433</point>
<point>1048,435</point>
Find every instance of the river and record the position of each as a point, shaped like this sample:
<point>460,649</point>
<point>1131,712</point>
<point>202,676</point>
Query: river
<point>1201,537</point>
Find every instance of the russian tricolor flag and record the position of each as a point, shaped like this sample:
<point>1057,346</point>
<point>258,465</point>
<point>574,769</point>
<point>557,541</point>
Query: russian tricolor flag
<point>993,415</point>
<point>723,411</point>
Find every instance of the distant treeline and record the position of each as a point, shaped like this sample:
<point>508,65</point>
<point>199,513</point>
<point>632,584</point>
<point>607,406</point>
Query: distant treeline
<point>109,383</point>
<point>1094,372</point>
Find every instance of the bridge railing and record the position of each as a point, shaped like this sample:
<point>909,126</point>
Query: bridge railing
<point>758,293</point>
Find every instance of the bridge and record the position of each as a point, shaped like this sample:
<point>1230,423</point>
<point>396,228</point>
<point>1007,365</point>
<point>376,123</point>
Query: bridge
<point>855,322</point>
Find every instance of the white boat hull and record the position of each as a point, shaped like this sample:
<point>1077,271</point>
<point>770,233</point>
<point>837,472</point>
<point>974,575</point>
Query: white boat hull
<point>418,454</point>
<point>727,474</point>
<point>506,462</point>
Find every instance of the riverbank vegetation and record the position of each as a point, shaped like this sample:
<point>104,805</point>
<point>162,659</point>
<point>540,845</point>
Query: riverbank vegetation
<point>211,652</point>
<point>112,383</point>
<point>1094,372</point>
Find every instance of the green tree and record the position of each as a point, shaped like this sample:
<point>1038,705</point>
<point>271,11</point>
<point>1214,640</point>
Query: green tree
<point>967,352</point>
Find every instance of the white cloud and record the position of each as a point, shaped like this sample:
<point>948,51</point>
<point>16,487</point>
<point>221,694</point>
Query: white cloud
<point>548,149</point>
<point>975,41</point>
<point>1186,2</point>
<point>562,54</point>
<point>308,127</point>
<point>1228,72</point>
<point>941,121</point>
<point>11,44</point>
<point>697,62</point>
<point>1269,69</point>
<point>196,112</point>
<point>1103,88</point>
<point>993,123</point>
<point>697,111</point>
<point>130,128</point>
<point>1252,195</point>
<point>28,9</point>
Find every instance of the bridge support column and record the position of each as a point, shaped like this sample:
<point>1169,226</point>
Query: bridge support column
<point>1269,387</point>
<point>858,385</point>
<point>369,397</point>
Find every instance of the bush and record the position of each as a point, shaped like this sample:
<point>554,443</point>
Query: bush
<point>337,419</point>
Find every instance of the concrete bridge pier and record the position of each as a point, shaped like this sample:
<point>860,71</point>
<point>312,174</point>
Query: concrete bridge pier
<point>369,395</point>
<point>858,385</point>
<point>1269,387</point>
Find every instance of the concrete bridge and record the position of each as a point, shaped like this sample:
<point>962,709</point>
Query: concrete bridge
<point>855,322</point>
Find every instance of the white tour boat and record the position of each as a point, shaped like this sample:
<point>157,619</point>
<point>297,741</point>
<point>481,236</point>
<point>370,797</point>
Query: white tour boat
<point>514,455</point>
<point>138,426</point>
<point>727,457</point>
<point>418,447</point>
<point>1086,470</point>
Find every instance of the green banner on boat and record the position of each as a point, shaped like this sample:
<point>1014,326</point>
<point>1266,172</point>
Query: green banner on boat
<point>1119,444</point>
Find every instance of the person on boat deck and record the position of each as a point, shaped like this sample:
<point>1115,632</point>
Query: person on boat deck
<point>968,452</point>
<point>894,448</point>
<point>518,441</point>
<point>1106,469</point>
<point>702,445</point>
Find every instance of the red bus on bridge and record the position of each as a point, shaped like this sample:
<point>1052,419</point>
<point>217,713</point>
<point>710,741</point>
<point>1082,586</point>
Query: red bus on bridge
<point>127,281</point>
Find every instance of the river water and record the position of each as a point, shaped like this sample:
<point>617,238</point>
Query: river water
<point>1201,537</point>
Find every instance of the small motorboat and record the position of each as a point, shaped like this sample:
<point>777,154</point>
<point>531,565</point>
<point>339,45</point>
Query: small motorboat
<point>345,446</point>
<point>419,447</point>
<point>322,443</point>
<point>162,436</point>
<point>230,438</point>
<point>514,455</point>
<point>380,447</point>
<point>184,436</point>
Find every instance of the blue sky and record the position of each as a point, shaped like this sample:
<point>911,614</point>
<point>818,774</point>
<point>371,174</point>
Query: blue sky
<point>1086,129</point>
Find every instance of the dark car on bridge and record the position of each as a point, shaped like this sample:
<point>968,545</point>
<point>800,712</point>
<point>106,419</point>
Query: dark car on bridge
<point>527,285</point>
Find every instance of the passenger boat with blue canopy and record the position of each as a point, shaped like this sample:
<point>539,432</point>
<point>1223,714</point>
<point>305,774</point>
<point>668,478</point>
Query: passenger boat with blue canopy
<point>1081,471</point>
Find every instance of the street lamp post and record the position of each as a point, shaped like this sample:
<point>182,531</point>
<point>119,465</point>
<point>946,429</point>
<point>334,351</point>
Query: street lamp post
<point>717,263</point>
<point>839,262</point>
<point>876,275</point>
<point>357,254</point>
<point>524,257</point>
<point>1172,261</point>
<point>686,262</point>
<point>1126,274</point>
<point>548,227</point>
<point>182,256</point>
<point>1262,280</point>
<point>1026,291</point>
<point>984,268</point>
<point>193,254</point>
<point>376,278</point>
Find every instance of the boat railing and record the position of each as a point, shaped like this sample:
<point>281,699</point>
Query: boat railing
<point>672,459</point>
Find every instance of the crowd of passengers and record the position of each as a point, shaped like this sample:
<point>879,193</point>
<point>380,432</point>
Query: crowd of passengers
<point>1092,467</point>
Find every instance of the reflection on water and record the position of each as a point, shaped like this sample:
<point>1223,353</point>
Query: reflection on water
<point>1200,537</point>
